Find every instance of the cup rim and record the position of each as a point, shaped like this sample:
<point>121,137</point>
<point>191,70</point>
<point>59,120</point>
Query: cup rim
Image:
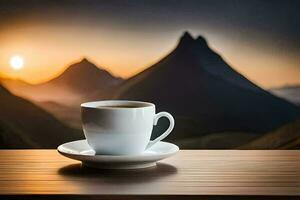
<point>97,104</point>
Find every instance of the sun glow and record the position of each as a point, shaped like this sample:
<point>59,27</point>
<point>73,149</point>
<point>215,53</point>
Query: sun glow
<point>16,62</point>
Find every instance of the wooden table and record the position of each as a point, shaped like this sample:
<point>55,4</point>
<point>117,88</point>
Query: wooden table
<point>190,174</point>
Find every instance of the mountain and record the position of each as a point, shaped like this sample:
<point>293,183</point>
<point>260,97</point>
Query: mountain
<point>205,94</point>
<point>23,125</point>
<point>82,81</point>
<point>289,93</point>
<point>285,137</point>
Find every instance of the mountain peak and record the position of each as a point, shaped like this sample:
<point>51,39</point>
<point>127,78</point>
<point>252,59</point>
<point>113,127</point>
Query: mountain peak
<point>84,60</point>
<point>186,39</point>
<point>83,68</point>
<point>187,35</point>
<point>201,41</point>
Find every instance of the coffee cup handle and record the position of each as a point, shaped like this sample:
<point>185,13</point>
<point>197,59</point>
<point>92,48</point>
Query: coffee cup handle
<point>167,132</point>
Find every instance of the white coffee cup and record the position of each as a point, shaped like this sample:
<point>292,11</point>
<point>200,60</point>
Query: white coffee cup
<point>120,127</point>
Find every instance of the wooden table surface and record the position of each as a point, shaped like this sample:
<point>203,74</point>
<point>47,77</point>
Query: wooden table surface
<point>191,174</point>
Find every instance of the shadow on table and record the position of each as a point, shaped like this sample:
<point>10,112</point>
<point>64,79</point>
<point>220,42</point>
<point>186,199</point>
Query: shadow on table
<point>118,176</point>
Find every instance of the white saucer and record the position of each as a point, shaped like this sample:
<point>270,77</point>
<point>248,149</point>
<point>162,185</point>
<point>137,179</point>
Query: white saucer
<point>80,150</point>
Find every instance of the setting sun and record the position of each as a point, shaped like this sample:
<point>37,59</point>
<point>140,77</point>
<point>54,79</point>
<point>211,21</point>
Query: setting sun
<point>16,62</point>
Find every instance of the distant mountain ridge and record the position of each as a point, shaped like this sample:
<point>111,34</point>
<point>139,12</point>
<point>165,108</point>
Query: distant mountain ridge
<point>290,92</point>
<point>86,76</point>
<point>23,125</point>
<point>79,82</point>
<point>286,87</point>
<point>205,94</point>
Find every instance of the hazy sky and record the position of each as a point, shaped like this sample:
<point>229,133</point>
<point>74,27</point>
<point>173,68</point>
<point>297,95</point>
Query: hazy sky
<point>260,39</point>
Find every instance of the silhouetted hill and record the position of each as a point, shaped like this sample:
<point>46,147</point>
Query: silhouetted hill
<point>23,125</point>
<point>82,81</point>
<point>290,93</point>
<point>285,137</point>
<point>205,94</point>
<point>84,77</point>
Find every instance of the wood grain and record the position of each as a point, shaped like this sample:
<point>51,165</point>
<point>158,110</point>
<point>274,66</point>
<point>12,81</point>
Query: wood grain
<point>192,173</point>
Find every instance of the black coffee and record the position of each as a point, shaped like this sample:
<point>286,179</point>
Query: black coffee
<point>122,106</point>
